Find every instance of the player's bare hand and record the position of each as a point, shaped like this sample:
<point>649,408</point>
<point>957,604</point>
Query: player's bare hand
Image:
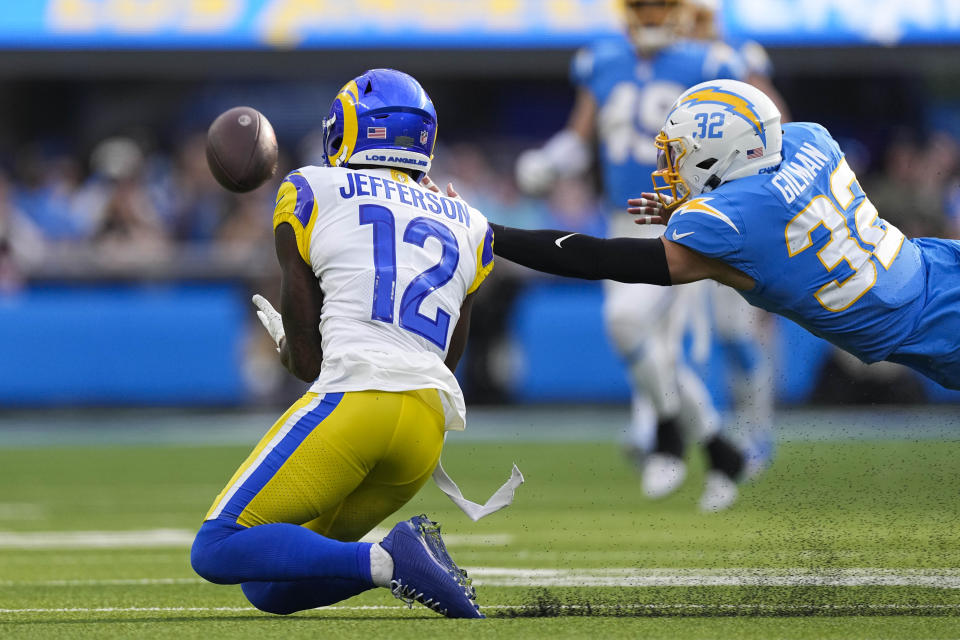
<point>431,185</point>
<point>270,319</point>
<point>648,209</point>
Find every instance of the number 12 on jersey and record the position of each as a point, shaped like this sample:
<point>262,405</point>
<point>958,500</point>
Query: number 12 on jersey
<point>385,267</point>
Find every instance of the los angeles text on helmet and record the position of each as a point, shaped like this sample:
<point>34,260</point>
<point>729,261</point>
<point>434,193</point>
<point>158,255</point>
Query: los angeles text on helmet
<point>414,162</point>
<point>362,184</point>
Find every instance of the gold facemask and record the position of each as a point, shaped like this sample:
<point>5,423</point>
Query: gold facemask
<point>669,186</point>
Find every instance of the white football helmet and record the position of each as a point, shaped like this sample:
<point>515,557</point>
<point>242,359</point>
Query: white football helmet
<point>716,131</point>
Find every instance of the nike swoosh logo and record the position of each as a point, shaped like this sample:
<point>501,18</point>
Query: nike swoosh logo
<point>677,236</point>
<point>560,240</point>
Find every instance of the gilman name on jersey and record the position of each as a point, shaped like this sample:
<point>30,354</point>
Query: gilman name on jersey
<point>799,172</point>
<point>362,184</point>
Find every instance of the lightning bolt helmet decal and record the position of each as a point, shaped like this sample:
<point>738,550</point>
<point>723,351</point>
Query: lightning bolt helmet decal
<point>732,102</point>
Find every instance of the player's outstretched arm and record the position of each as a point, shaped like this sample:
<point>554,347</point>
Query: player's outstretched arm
<point>576,255</point>
<point>301,300</point>
<point>632,260</point>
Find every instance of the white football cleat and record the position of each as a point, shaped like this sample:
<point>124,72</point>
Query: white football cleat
<point>663,474</point>
<point>720,492</point>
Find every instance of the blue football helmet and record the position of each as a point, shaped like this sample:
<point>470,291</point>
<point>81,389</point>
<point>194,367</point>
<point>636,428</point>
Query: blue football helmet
<point>381,118</point>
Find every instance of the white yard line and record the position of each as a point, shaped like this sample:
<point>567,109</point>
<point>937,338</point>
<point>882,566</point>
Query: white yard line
<point>106,582</point>
<point>751,577</point>
<point>509,577</point>
<point>520,607</point>
<point>454,539</point>
<point>96,539</point>
<point>152,538</point>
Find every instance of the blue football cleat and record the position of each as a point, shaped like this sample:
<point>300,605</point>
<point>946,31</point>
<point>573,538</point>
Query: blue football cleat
<point>424,572</point>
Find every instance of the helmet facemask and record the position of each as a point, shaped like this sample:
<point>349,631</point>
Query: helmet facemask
<point>668,184</point>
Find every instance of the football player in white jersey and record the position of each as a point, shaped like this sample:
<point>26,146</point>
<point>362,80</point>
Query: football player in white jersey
<point>378,276</point>
<point>625,86</point>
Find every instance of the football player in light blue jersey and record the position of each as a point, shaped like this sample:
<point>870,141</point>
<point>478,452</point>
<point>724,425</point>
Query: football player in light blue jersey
<point>776,213</point>
<point>625,86</point>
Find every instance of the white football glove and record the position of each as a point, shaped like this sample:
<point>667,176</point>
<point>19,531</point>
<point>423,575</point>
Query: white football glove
<point>564,155</point>
<point>270,319</point>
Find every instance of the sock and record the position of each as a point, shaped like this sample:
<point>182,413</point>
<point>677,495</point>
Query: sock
<point>724,457</point>
<point>381,566</point>
<point>669,438</point>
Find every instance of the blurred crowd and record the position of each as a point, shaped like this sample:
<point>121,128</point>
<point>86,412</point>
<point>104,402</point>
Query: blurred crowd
<point>126,211</point>
<point>127,208</point>
<point>122,211</point>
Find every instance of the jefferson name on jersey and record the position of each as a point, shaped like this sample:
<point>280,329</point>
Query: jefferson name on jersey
<point>362,184</point>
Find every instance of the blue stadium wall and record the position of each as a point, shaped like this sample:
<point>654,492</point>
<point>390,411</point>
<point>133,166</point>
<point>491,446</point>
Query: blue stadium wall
<point>122,345</point>
<point>182,344</point>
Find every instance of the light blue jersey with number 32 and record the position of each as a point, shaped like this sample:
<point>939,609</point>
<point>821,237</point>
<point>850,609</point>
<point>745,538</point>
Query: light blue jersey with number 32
<point>821,255</point>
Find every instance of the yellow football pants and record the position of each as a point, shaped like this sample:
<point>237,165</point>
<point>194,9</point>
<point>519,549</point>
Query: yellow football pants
<point>338,463</point>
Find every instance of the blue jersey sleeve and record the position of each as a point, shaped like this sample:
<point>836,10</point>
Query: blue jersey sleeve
<point>708,225</point>
<point>591,62</point>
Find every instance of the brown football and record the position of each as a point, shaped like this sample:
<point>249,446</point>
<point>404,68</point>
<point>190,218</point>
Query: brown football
<point>241,149</point>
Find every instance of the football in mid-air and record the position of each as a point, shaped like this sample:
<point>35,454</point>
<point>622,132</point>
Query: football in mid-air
<point>241,149</point>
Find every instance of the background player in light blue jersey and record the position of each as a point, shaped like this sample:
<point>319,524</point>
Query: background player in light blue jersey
<point>758,68</point>
<point>777,214</point>
<point>625,86</point>
<point>741,332</point>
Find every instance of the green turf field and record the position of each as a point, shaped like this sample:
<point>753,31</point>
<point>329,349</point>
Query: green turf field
<point>841,539</point>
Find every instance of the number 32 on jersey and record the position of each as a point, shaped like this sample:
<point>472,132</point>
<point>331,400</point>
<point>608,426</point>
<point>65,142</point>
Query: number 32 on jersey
<point>883,238</point>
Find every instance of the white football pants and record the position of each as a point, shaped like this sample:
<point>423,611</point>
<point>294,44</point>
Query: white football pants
<point>646,324</point>
<point>743,331</point>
